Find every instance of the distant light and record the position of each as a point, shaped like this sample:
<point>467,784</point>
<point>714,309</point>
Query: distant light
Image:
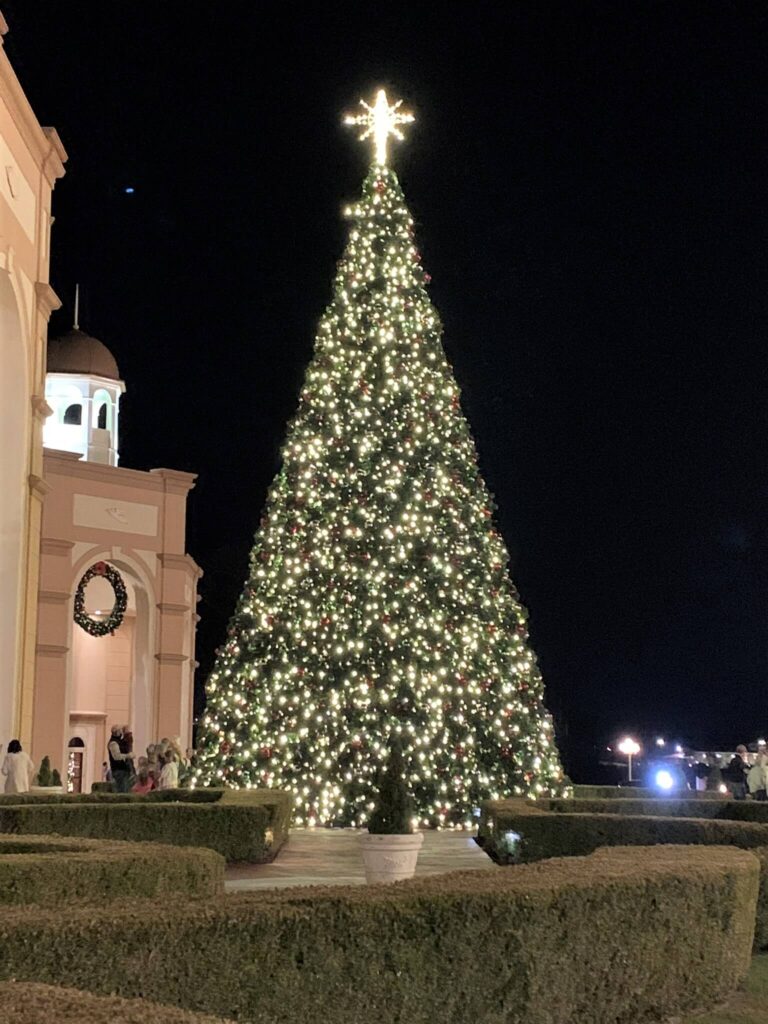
<point>660,741</point>
<point>664,779</point>
<point>129,190</point>
<point>678,749</point>
<point>629,746</point>
<point>512,839</point>
<point>722,788</point>
<point>761,743</point>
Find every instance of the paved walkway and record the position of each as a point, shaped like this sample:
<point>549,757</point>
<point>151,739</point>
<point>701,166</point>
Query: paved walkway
<point>331,856</point>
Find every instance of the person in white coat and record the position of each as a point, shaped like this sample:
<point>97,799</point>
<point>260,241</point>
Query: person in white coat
<point>18,769</point>
<point>757,778</point>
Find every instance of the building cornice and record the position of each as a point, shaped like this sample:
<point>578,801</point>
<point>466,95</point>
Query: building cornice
<point>47,299</point>
<point>186,563</point>
<point>53,596</point>
<point>43,143</point>
<point>52,650</point>
<point>37,486</point>
<point>40,408</point>
<point>171,659</point>
<point>72,464</point>
<point>52,546</point>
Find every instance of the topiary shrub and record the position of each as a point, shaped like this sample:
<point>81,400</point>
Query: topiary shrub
<point>45,775</point>
<point>394,808</point>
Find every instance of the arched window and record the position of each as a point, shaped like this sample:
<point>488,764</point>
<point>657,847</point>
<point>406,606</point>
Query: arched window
<point>101,419</point>
<point>73,415</point>
<point>76,742</point>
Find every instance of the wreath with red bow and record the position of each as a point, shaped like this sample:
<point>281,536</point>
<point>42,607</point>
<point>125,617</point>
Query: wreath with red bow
<point>101,627</point>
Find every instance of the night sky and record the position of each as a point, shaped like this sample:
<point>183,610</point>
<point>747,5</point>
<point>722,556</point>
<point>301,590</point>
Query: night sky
<point>588,183</point>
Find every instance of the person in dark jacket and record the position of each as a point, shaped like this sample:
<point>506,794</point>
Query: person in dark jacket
<point>736,773</point>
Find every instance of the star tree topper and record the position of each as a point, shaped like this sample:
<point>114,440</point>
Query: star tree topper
<point>380,121</point>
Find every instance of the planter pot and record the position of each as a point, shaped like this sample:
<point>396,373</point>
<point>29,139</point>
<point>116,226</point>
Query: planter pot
<point>45,790</point>
<point>390,858</point>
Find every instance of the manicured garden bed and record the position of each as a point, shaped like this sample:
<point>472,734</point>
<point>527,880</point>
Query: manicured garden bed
<point>683,807</point>
<point>606,938</point>
<point>516,831</point>
<point>241,825</point>
<point>51,870</point>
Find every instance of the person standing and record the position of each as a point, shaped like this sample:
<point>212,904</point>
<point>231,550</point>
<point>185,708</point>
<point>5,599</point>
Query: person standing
<point>757,778</point>
<point>169,776</point>
<point>18,769</point>
<point>737,773</point>
<point>119,762</point>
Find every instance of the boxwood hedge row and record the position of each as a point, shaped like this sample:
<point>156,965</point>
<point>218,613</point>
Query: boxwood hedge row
<point>28,1003</point>
<point>576,939</point>
<point>51,870</point>
<point>688,807</point>
<point>585,792</point>
<point>241,825</point>
<point>513,831</point>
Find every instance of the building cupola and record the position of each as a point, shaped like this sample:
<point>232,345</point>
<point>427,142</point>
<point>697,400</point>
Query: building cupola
<point>83,388</point>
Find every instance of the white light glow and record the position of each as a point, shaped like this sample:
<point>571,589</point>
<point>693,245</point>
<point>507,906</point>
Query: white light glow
<point>664,779</point>
<point>380,121</point>
<point>629,746</point>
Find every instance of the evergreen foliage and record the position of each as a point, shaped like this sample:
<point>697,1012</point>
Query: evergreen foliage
<point>378,600</point>
<point>394,809</point>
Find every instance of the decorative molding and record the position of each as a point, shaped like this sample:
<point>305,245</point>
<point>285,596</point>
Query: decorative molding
<point>40,408</point>
<point>37,486</point>
<point>171,659</point>
<point>173,561</point>
<point>52,650</point>
<point>172,609</point>
<point>53,596</point>
<point>47,299</point>
<point>175,481</point>
<point>52,546</point>
<point>88,714</point>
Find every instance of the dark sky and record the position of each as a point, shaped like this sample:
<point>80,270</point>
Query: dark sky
<point>589,185</point>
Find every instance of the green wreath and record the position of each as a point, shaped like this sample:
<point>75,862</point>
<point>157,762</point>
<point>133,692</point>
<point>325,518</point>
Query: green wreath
<point>100,627</point>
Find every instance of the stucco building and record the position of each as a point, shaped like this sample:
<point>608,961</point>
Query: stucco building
<point>100,519</point>
<point>31,160</point>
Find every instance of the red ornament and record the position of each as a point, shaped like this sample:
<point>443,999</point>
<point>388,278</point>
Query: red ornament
<point>380,186</point>
<point>427,278</point>
<point>224,748</point>
<point>100,568</point>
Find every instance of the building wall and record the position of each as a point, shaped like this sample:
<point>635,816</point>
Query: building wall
<point>144,674</point>
<point>31,159</point>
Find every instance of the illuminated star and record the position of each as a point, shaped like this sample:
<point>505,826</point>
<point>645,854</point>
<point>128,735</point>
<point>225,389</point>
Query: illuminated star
<point>380,121</point>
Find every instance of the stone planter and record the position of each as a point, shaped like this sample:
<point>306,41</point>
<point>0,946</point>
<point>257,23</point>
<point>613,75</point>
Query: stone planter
<point>45,790</point>
<point>390,858</point>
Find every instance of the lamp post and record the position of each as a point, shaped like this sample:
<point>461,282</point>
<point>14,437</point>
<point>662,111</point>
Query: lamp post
<point>629,747</point>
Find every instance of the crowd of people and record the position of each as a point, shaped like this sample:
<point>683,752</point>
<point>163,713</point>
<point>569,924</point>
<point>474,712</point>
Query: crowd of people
<point>745,775</point>
<point>164,766</point>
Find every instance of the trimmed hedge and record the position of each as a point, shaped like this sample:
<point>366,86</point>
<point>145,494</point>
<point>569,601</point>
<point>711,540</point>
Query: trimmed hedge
<point>51,870</point>
<point>582,792</point>
<point>596,940</point>
<point>730,810</point>
<point>513,832</point>
<point>242,825</point>
<point>237,833</point>
<point>28,1003</point>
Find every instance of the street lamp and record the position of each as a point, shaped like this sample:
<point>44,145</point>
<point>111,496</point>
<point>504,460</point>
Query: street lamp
<point>629,747</point>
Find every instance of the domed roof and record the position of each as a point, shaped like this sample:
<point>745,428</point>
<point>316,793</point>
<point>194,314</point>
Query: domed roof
<point>78,352</point>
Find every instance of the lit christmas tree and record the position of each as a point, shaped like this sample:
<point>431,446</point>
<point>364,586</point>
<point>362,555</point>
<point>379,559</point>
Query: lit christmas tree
<point>378,598</point>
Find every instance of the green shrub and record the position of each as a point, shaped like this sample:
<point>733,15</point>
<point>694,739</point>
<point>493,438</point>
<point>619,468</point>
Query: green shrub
<point>45,776</point>
<point>731,810</point>
<point>237,832</point>
<point>28,1003</point>
<point>53,870</point>
<point>513,831</point>
<point>394,808</point>
<point>102,787</point>
<point>582,792</point>
<point>584,940</point>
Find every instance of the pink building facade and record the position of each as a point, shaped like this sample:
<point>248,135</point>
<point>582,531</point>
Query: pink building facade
<point>142,675</point>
